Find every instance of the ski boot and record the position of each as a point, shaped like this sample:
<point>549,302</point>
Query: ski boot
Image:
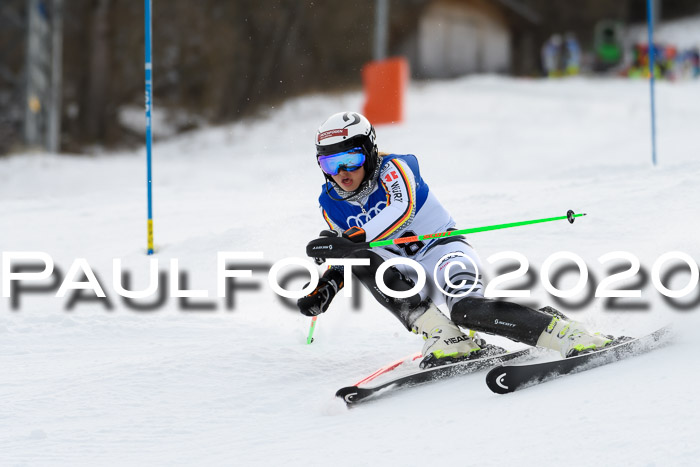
<point>444,341</point>
<point>571,338</point>
<point>550,310</point>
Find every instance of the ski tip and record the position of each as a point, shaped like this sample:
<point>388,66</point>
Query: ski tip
<point>349,394</point>
<point>497,380</point>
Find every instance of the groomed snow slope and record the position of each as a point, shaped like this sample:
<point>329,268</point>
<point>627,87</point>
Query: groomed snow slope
<point>94,386</point>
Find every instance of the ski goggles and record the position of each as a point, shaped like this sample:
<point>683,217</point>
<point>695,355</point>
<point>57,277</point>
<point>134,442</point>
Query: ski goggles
<point>349,160</point>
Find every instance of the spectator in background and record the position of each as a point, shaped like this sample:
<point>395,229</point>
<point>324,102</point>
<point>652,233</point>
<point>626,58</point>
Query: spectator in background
<point>561,56</point>
<point>552,56</point>
<point>694,54</point>
<point>572,55</point>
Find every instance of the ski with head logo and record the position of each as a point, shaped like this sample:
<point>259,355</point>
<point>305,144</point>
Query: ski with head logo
<point>487,358</point>
<point>508,378</point>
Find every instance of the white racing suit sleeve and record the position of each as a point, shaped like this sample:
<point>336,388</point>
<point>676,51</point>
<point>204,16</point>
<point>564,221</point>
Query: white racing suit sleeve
<point>400,185</point>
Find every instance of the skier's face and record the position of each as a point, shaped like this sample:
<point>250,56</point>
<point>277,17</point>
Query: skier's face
<point>349,181</point>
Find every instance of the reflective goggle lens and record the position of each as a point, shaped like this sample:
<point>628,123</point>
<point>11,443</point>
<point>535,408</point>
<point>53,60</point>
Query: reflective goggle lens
<point>348,160</point>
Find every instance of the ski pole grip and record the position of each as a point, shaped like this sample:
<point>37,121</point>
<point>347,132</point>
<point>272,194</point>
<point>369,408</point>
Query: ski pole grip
<point>333,247</point>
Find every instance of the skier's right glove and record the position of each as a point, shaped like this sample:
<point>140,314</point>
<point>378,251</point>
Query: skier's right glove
<point>320,299</point>
<point>331,245</point>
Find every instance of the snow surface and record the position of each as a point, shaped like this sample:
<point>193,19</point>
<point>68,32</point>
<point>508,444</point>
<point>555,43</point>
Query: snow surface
<point>94,386</point>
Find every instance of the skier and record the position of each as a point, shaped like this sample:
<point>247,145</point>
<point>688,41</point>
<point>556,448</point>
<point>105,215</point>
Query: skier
<point>371,196</point>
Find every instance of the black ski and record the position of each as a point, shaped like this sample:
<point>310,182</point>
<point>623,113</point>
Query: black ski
<point>354,394</point>
<point>509,378</point>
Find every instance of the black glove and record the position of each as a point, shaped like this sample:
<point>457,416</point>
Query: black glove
<point>324,233</point>
<point>330,245</point>
<point>320,299</point>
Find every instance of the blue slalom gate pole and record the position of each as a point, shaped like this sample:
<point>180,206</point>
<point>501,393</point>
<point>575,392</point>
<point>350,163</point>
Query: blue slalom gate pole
<point>650,29</point>
<point>149,106</point>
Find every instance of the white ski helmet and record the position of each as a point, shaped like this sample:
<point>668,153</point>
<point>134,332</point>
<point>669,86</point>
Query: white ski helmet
<point>344,131</point>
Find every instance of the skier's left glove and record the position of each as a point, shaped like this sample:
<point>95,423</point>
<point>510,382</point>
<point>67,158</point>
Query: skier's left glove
<point>320,299</point>
<point>330,245</point>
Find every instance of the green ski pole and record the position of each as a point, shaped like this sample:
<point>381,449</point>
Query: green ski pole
<point>310,339</point>
<point>570,216</point>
